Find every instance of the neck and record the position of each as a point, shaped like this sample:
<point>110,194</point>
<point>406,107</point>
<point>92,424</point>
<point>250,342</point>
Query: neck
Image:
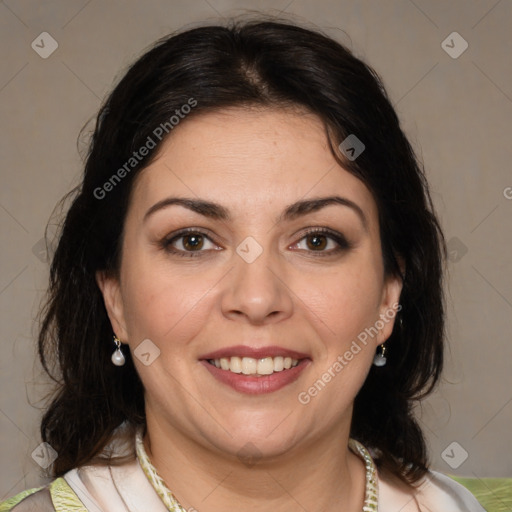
<point>323,475</point>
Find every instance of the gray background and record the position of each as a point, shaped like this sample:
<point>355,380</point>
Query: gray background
<point>456,111</point>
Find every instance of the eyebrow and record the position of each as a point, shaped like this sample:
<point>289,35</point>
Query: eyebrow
<point>218,212</point>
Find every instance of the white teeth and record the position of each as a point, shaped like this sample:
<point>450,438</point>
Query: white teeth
<point>251,366</point>
<point>235,365</point>
<point>278,364</point>
<point>265,366</point>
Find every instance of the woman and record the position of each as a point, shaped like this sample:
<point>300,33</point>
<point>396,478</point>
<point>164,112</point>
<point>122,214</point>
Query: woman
<point>246,298</point>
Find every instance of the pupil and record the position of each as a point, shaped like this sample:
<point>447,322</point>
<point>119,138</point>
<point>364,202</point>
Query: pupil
<point>318,241</point>
<point>193,241</point>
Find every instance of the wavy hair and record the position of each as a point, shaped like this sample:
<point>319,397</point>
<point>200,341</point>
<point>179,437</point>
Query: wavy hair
<point>265,63</point>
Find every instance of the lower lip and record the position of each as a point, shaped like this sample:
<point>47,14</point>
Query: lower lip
<point>257,385</point>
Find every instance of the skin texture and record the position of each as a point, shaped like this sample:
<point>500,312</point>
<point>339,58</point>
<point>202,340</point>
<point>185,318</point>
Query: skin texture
<point>254,162</point>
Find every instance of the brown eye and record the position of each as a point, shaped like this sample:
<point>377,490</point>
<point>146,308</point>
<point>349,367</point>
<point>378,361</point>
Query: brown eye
<point>322,241</point>
<point>316,242</point>
<point>190,243</point>
<point>193,242</point>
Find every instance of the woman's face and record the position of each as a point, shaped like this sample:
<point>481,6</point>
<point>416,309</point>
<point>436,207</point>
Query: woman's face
<point>249,283</point>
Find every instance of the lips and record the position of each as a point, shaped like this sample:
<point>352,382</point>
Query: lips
<point>256,353</point>
<point>255,370</point>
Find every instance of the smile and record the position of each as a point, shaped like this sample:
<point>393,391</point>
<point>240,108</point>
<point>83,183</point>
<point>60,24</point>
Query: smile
<point>257,383</point>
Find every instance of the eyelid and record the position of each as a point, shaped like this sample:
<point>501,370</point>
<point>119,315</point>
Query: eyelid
<point>339,239</point>
<point>342,243</point>
<point>168,240</point>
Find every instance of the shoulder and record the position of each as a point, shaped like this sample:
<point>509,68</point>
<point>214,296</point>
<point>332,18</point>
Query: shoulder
<point>9,504</point>
<point>103,487</point>
<point>56,496</point>
<point>434,492</point>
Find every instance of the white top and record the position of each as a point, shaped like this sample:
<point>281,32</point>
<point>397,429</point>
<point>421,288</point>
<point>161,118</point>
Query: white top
<point>127,489</point>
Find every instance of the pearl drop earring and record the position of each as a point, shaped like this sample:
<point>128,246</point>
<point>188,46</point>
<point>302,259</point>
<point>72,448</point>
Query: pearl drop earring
<point>380,359</point>
<point>118,357</point>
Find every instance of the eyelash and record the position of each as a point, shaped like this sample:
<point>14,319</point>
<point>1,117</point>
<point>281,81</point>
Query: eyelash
<point>342,242</point>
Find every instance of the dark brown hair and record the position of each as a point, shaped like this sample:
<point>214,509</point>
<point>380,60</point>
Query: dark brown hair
<point>256,63</point>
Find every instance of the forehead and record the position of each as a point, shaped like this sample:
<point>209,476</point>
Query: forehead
<point>248,159</point>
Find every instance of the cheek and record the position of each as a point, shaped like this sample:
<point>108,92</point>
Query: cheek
<point>346,300</point>
<point>159,305</point>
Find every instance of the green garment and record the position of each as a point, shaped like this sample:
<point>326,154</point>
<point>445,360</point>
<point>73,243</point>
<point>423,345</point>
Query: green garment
<point>63,498</point>
<point>495,495</point>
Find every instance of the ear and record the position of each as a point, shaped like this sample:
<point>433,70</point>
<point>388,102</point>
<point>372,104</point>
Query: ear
<point>390,306</point>
<point>111,290</point>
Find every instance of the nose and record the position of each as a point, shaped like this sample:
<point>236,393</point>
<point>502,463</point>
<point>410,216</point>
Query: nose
<point>256,292</point>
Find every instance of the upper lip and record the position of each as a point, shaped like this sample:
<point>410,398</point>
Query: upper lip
<point>256,353</point>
